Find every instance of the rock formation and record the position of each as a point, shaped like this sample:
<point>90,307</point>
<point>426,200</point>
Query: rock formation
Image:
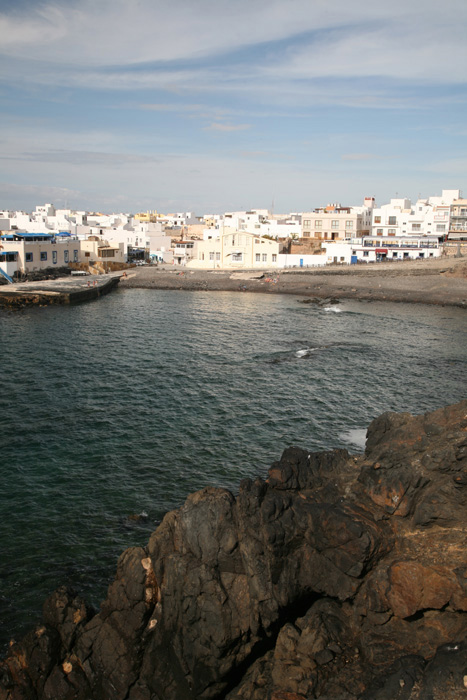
<point>340,577</point>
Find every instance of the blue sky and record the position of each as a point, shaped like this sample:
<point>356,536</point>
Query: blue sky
<point>216,105</point>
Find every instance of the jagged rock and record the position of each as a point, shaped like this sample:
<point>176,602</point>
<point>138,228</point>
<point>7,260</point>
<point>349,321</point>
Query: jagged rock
<point>339,576</point>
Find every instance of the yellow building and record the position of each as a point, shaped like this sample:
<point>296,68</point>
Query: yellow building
<point>149,216</point>
<point>235,250</point>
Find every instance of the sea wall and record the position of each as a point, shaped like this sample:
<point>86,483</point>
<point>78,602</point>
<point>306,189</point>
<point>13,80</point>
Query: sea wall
<point>60,291</point>
<point>338,577</point>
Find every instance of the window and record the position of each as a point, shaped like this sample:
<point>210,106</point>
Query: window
<point>237,257</point>
<point>54,257</point>
<point>349,224</point>
<point>265,257</point>
<point>416,227</point>
<point>65,255</point>
<point>335,223</point>
<point>258,257</point>
<point>379,231</point>
<point>391,231</point>
<point>377,219</point>
<point>75,256</point>
<point>274,257</point>
<point>211,256</point>
<point>43,256</point>
<point>87,255</point>
<point>29,257</point>
<point>306,222</point>
<point>440,227</point>
<point>365,253</point>
<point>392,220</point>
<point>394,255</point>
<point>318,223</point>
<point>218,256</point>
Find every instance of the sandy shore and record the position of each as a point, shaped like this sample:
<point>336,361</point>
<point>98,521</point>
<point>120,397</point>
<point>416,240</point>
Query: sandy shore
<point>441,281</point>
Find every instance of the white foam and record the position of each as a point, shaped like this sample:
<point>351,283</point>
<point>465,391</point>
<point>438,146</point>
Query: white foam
<point>333,308</point>
<point>304,353</point>
<point>355,437</point>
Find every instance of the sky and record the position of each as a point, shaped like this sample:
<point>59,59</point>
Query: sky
<point>218,105</point>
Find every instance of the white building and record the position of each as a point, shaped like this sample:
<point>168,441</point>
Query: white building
<point>337,223</point>
<point>382,248</point>
<point>427,217</point>
<point>27,252</point>
<point>258,221</point>
<point>235,250</point>
<point>458,221</point>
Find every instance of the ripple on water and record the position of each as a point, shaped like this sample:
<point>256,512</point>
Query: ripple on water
<point>125,406</point>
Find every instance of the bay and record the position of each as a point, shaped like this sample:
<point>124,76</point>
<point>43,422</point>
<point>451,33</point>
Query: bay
<point>113,411</point>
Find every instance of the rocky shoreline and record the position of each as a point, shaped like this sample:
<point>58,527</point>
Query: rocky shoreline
<point>441,281</point>
<point>339,577</point>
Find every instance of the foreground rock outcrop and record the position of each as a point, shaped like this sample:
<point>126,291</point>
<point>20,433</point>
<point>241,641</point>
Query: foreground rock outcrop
<point>338,578</point>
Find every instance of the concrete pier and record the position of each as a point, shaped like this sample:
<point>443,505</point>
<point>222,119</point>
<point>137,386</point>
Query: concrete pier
<point>65,290</point>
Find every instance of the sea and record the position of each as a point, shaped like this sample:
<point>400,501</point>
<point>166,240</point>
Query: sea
<point>113,411</point>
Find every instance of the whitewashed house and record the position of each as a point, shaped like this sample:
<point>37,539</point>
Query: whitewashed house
<point>28,252</point>
<point>235,250</point>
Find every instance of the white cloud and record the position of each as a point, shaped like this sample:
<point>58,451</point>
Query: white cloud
<point>420,51</point>
<point>218,126</point>
<point>176,46</point>
<point>359,156</point>
<point>106,32</point>
<point>126,32</point>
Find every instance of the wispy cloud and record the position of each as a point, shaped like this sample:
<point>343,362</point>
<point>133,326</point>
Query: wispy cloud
<point>338,39</point>
<point>359,156</point>
<point>70,157</point>
<point>10,191</point>
<point>135,99</point>
<point>219,126</point>
<point>180,107</point>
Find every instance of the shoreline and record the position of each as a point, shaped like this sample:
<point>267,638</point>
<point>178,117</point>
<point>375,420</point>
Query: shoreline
<point>442,281</point>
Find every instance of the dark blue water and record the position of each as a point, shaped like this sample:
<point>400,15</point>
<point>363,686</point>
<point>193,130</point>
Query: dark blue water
<point>123,406</point>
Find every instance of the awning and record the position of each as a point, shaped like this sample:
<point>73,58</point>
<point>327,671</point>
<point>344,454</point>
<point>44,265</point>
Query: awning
<point>381,250</point>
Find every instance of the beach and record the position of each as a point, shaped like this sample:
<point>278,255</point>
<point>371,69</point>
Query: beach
<point>441,281</point>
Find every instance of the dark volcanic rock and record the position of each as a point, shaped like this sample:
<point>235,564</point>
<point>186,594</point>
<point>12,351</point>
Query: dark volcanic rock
<point>339,577</point>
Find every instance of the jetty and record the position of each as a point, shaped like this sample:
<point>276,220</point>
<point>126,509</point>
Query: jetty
<point>65,290</point>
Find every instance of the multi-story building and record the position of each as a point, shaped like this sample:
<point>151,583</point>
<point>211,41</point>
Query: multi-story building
<point>427,217</point>
<point>235,250</point>
<point>260,222</point>
<point>337,223</point>
<point>28,252</point>
<point>458,220</point>
<point>382,248</point>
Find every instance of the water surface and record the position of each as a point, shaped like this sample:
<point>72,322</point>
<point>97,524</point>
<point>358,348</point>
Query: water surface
<point>123,406</point>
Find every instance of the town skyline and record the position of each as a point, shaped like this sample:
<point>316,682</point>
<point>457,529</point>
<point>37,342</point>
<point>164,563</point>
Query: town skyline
<point>212,108</point>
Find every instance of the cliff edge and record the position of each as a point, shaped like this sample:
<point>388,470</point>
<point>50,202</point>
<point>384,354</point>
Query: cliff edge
<point>339,577</point>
